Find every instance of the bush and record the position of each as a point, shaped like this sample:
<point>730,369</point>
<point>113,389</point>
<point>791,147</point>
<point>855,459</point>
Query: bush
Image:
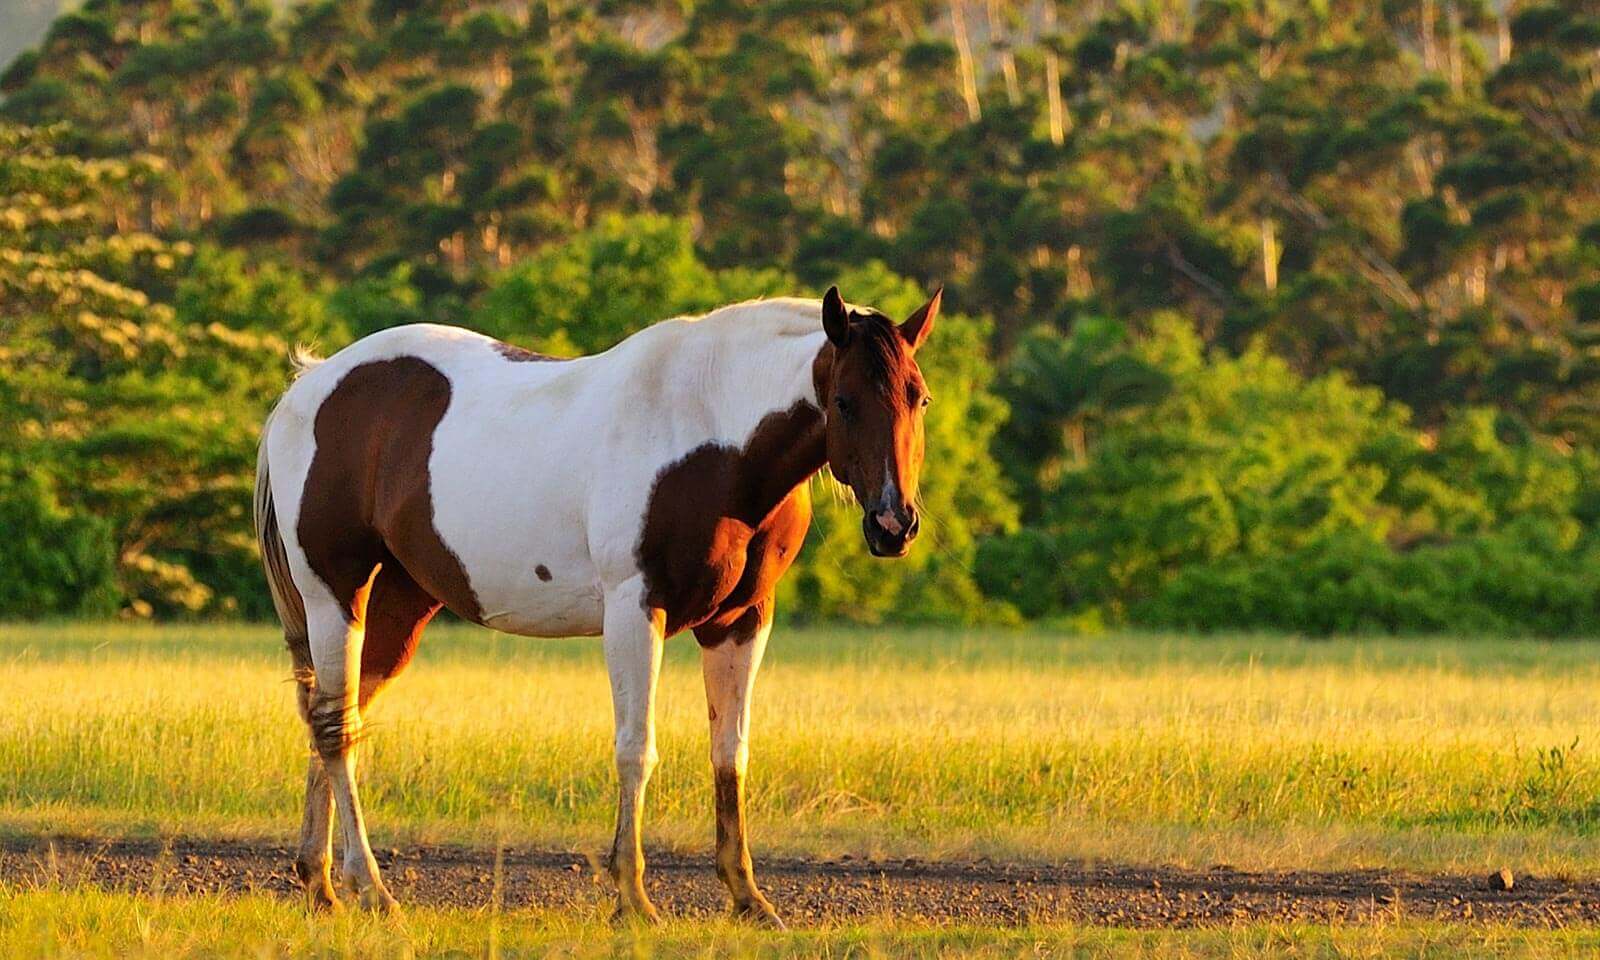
<point>1253,497</point>
<point>1241,458</point>
<point>1497,583</point>
<point>56,563</point>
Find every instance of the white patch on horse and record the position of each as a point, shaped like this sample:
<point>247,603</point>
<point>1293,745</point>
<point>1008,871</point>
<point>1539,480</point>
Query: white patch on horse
<point>885,516</point>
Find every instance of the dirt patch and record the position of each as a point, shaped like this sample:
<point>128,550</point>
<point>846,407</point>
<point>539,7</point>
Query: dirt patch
<point>819,892</point>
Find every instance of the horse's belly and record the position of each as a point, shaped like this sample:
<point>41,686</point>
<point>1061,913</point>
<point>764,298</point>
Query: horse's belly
<point>535,584</point>
<point>581,617</point>
<point>515,515</point>
<point>526,556</point>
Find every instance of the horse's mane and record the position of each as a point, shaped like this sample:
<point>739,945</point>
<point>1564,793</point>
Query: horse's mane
<point>784,316</point>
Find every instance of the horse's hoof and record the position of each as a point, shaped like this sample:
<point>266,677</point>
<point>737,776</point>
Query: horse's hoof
<point>379,900</point>
<point>318,886</point>
<point>373,897</point>
<point>759,913</point>
<point>323,900</point>
<point>643,913</point>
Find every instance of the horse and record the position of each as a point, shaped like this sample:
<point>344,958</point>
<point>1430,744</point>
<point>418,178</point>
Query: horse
<point>657,487</point>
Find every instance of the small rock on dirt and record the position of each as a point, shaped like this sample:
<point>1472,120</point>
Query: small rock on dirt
<point>1502,880</point>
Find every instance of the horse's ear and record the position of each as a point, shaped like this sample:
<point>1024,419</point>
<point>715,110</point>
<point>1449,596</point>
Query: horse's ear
<point>834,318</point>
<point>917,326</point>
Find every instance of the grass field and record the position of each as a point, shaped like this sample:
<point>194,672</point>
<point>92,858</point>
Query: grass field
<point>87,924</point>
<point>1256,752</point>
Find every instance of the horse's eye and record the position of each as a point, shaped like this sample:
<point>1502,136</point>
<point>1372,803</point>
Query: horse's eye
<point>926,400</point>
<point>845,409</point>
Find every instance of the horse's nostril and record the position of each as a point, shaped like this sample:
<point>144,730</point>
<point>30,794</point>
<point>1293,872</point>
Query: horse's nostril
<point>888,522</point>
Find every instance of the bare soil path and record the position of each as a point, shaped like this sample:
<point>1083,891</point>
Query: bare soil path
<point>813,892</point>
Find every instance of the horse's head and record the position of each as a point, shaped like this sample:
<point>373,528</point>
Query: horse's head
<point>874,397</point>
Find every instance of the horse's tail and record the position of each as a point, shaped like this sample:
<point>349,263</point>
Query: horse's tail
<point>301,359</point>
<point>286,597</point>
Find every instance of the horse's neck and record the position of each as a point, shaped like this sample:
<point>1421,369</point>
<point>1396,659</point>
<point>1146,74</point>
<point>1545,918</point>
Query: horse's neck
<point>748,376</point>
<point>764,393</point>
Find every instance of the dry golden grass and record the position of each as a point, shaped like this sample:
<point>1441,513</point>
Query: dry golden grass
<point>1254,751</point>
<point>93,924</point>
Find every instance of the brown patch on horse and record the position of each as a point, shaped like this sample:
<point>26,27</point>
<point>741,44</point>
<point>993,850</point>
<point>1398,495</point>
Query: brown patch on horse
<point>367,498</point>
<point>732,854</point>
<point>741,625</point>
<point>397,611</point>
<point>542,572</point>
<point>723,523</point>
<point>518,354</point>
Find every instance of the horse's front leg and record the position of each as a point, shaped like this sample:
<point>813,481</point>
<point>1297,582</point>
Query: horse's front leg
<point>730,657</point>
<point>633,637</point>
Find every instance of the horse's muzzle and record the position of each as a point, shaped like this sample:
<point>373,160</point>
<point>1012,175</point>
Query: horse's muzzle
<point>889,532</point>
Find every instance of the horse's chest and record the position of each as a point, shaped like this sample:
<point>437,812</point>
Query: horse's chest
<point>714,566</point>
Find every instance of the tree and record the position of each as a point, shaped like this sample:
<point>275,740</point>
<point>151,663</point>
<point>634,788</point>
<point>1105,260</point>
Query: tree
<point>108,382</point>
<point>1398,196</point>
<point>1060,390</point>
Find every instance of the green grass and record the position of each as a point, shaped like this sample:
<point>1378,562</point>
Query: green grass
<point>97,924</point>
<point>1253,751</point>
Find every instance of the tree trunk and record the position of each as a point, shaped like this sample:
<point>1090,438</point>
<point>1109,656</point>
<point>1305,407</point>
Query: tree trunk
<point>1052,79</point>
<point>1430,49</point>
<point>969,76</point>
<point>1078,441</point>
<point>1079,282</point>
<point>1270,253</point>
<point>1008,60</point>
<point>1453,14</point>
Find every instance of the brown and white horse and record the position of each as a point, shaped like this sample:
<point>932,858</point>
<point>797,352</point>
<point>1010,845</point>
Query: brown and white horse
<point>657,487</point>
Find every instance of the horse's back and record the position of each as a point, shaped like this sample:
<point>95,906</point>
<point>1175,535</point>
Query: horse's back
<point>461,355</point>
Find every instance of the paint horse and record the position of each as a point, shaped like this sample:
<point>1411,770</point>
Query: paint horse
<point>658,487</point>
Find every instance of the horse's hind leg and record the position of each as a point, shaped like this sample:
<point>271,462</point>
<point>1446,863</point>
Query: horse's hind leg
<point>312,861</point>
<point>397,610</point>
<point>336,636</point>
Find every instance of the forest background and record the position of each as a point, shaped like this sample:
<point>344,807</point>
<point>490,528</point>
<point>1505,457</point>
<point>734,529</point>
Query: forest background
<point>1277,315</point>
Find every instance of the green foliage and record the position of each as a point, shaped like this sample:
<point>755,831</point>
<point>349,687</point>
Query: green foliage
<point>132,386</point>
<point>1243,457</point>
<point>57,562</point>
<point>1509,582</point>
<point>1060,389</point>
<point>1253,497</point>
<point>1376,221</point>
<point>626,273</point>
